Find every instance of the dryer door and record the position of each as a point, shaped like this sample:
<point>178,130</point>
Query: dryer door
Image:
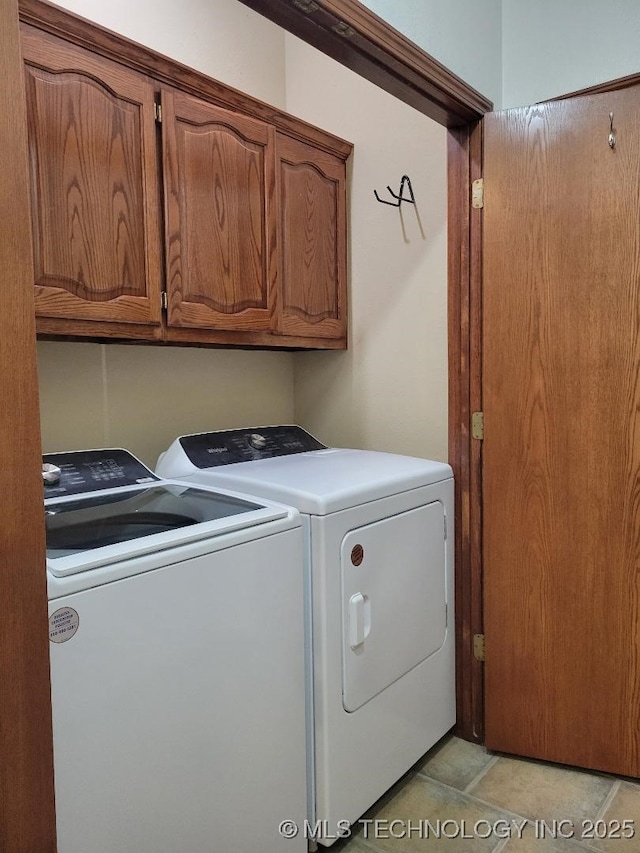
<point>394,609</point>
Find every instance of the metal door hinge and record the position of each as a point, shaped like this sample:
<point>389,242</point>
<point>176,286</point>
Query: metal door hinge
<point>477,425</point>
<point>157,112</point>
<point>478,646</point>
<point>477,194</point>
<point>164,301</point>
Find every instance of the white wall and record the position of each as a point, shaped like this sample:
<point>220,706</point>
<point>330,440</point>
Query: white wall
<point>141,397</point>
<point>464,35</point>
<point>221,38</point>
<point>389,390</point>
<point>553,47</point>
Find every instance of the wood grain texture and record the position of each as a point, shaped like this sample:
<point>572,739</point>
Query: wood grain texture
<point>561,383</point>
<point>51,329</point>
<point>472,572</point>
<point>219,181</point>
<point>93,185</point>
<point>27,820</point>
<point>102,331</point>
<point>351,33</point>
<point>312,234</point>
<point>465,453</point>
<point>311,258</point>
<point>53,19</point>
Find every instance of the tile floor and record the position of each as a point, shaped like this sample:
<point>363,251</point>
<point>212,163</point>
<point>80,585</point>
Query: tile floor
<point>462,799</point>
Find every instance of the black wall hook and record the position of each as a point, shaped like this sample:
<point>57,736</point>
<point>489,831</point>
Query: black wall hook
<point>399,197</point>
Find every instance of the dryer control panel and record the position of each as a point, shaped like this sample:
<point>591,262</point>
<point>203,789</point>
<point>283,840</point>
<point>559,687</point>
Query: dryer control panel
<point>211,449</point>
<point>91,471</point>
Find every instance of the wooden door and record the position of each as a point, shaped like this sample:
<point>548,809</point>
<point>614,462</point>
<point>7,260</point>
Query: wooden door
<point>561,457</point>
<point>94,196</point>
<point>312,229</point>
<point>219,174</point>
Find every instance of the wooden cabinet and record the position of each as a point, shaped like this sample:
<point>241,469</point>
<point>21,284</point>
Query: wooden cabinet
<point>313,266</point>
<point>180,213</point>
<point>94,192</point>
<point>219,181</point>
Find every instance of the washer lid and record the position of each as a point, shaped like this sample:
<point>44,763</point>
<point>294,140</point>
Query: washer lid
<point>106,527</point>
<point>317,482</point>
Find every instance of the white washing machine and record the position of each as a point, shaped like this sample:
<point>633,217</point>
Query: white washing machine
<point>380,642</point>
<point>177,664</point>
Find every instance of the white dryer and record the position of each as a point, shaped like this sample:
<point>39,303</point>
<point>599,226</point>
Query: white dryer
<point>177,664</point>
<point>379,558</point>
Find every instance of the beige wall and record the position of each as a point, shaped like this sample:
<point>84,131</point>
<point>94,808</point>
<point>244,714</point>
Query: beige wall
<point>389,390</point>
<point>141,397</point>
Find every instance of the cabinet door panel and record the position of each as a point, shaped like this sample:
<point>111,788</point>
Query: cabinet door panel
<point>312,241</point>
<point>94,193</point>
<point>219,187</point>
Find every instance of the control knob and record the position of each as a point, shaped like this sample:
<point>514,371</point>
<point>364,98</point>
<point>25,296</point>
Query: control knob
<point>50,474</point>
<point>257,441</point>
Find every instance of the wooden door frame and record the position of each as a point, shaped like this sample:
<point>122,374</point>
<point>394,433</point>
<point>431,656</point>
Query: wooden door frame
<point>27,818</point>
<point>353,35</point>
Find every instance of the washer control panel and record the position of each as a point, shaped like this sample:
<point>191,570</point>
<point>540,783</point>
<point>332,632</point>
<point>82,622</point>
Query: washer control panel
<point>211,449</point>
<point>91,471</point>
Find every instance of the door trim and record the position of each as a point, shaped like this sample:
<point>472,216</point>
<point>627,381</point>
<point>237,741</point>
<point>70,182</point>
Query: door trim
<point>465,453</point>
<point>26,740</point>
<point>353,35</point>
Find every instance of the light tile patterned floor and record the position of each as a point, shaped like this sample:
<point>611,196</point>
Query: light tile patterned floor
<point>462,799</point>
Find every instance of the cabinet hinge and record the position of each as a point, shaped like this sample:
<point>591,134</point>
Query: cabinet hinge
<point>164,301</point>
<point>478,646</point>
<point>445,527</point>
<point>477,194</point>
<point>477,425</point>
<point>157,112</point>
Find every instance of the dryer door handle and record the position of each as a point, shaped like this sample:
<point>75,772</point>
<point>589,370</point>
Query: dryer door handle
<point>359,619</point>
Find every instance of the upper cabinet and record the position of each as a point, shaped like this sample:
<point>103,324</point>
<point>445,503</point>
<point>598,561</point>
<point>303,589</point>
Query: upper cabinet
<point>219,182</point>
<point>94,186</point>
<point>312,229</point>
<point>167,207</point>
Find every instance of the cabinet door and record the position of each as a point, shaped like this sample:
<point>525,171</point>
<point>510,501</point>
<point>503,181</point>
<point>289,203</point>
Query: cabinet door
<point>312,227</point>
<point>94,197</point>
<point>219,186</point>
